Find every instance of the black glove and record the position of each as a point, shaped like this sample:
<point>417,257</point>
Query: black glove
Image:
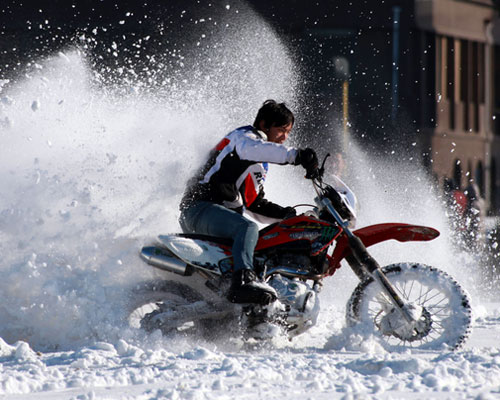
<point>290,212</point>
<point>309,160</point>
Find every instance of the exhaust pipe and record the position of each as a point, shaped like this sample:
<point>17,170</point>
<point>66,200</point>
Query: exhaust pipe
<point>163,259</point>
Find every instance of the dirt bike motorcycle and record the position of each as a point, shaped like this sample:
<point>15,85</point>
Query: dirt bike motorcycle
<point>407,305</point>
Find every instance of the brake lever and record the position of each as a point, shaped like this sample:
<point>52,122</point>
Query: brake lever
<point>321,170</point>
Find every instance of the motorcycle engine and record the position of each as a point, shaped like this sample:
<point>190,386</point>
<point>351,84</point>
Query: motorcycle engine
<point>296,261</point>
<point>302,263</point>
<point>301,301</point>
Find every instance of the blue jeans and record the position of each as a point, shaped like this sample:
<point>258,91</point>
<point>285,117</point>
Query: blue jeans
<point>212,219</point>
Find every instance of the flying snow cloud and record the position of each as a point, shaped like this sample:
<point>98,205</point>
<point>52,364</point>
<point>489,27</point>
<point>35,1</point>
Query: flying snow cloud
<point>93,167</point>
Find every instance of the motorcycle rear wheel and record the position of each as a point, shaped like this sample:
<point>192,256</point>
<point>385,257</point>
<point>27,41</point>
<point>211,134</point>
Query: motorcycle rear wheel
<point>173,307</point>
<point>446,311</point>
<point>152,297</point>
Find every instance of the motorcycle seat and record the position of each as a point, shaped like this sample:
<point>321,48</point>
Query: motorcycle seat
<point>219,240</point>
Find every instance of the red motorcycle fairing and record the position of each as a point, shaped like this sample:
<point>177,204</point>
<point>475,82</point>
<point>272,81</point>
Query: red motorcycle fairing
<point>319,233</point>
<point>295,231</point>
<point>374,234</point>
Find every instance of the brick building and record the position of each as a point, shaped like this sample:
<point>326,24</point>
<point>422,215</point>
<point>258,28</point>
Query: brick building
<point>465,139</point>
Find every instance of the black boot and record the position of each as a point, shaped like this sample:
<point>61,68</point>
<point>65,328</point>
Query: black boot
<point>246,288</point>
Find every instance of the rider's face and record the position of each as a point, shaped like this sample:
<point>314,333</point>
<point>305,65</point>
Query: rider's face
<point>278,134</point>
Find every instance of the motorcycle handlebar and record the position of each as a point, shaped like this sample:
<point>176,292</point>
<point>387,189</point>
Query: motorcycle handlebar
<point>316,174</point>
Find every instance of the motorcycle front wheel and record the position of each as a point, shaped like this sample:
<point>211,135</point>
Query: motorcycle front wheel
<point>444,311</point>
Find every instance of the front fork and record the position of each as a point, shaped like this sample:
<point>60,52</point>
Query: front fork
<point>365,265</point>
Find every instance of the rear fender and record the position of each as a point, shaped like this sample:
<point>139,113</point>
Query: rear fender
<point>374,234</point>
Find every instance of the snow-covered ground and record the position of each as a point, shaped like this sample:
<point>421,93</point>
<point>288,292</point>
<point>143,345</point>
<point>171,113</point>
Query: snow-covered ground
<point>180,368</point>
<point>91,170</point>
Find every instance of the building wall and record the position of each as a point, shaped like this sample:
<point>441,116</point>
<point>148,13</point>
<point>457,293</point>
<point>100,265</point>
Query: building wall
<point>464,140</point>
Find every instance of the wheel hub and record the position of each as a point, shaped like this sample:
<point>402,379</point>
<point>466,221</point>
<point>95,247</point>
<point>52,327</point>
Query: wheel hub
<point>391,323</point>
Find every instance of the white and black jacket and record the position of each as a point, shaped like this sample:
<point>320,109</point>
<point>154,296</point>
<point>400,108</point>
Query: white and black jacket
<point>235,172</point>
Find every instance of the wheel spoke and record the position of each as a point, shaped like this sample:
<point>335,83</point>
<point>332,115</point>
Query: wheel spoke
<point>428,299</point>
<point>423,295</point>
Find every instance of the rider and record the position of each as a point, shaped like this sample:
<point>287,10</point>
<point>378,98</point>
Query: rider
<point>231,182</point>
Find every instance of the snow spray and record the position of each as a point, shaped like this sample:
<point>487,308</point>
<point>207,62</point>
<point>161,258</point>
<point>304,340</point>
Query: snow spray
<point>94,164</point>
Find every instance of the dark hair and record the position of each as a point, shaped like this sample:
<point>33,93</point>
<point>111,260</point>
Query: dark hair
<point>274,114</point>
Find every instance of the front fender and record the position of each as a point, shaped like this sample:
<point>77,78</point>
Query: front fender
<point>374,234</point>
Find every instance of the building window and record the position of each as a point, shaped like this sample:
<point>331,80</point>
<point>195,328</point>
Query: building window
<point>470,86</point>
<point>464,70</point>
<point>496,89</point>
<point>457,175</point>
<point>450,79</point>
<point>479,176</point>
<point>480,74</point>
<point>476,72</point>
<point>464,83</point>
